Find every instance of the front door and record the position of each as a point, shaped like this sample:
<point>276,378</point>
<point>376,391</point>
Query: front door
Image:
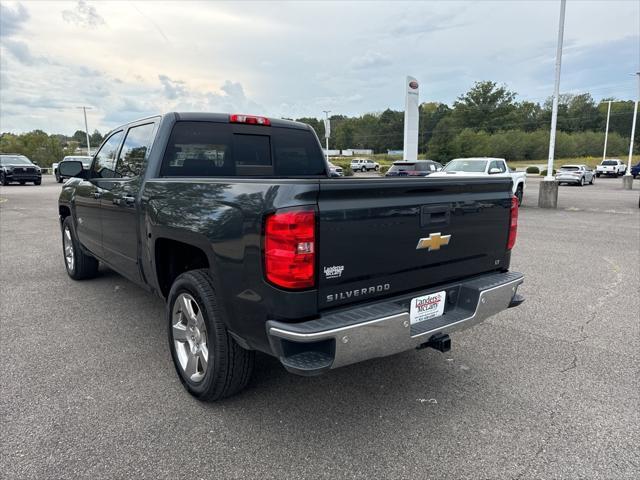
<point>89,193</point>
<point>88,224</point>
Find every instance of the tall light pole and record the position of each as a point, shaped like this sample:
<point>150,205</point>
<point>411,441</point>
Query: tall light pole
<point>606,133</point>
<point>627,181</point>
<point>327,131</point>
<point>86,128</point>
<point>548,196</point>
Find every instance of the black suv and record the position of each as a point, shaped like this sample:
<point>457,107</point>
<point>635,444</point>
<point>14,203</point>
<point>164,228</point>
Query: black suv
<point>18,168</point>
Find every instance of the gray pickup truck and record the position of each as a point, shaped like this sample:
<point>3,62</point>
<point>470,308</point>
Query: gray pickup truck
<point>235,222</point>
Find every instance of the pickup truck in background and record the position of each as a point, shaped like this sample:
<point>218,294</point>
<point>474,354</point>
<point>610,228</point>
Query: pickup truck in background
<point>236,223</point>
<point>611,166</point>
<point>495,167</point>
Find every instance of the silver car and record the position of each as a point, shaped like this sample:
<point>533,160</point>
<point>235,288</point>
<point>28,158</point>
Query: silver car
<point>576,175</point>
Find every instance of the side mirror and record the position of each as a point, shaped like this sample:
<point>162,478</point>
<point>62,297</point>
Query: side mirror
<point>71,168</point>
<point>494,170</point>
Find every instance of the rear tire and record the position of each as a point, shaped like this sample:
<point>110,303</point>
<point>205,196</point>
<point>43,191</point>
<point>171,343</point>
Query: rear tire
<point>210,363</point>
<point>37,182</point>
<point>79,265</point>
<point>597,175</point>
<point>581,184</point>
<point>3,179</point>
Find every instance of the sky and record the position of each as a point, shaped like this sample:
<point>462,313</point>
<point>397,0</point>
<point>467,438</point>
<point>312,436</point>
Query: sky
<point>127,60</point>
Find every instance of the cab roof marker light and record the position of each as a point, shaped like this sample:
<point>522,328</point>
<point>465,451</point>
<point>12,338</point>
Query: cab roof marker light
<point>249,119</point>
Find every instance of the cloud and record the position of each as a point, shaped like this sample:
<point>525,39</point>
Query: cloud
<point>229,97</point>
<point>20,51</point>
<point>83,15</point>
<point>423,25</point>
<point>370,60</point>
<point>11,19</point>
<point>172,88</point>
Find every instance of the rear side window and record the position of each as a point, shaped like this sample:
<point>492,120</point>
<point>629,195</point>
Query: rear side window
<point>208,149</point>
<point>134,151</point>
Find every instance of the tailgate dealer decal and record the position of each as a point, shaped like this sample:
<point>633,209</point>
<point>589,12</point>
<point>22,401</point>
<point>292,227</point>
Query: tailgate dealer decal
<point>427,307</point>
<point>334,271</point>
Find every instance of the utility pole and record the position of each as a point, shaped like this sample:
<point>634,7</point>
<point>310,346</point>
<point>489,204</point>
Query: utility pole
<point>627,180</point>
<point>548,196</point>
<point>327,131</point>
<point>606,132</point>
<point>86,128</point>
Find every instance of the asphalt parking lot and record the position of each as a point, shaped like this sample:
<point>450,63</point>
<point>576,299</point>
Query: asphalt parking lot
<point>547,390</point>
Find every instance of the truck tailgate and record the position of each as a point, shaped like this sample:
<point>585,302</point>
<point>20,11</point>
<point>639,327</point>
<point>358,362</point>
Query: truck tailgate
<point>369,231</point>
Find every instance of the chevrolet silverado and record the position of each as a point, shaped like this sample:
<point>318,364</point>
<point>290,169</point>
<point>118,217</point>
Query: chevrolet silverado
<point>235,222</point>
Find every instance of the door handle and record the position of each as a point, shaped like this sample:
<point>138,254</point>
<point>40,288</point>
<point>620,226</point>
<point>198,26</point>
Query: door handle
<point>435,215</point>
<point>97,195</point>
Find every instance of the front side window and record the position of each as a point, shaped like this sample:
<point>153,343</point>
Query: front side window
<point>500,166</point>
<point>104,164</point>
<point>135,151</point>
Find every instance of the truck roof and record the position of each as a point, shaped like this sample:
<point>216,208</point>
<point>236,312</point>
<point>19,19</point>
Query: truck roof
<point>472,159</point>
<point>218,118</point>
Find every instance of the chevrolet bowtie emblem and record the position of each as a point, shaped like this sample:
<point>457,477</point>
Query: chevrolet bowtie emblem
<point>434,241</point>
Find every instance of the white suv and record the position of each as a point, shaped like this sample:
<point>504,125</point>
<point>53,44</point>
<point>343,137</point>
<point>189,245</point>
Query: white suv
<point>611,166</point>
<point>364,165</point>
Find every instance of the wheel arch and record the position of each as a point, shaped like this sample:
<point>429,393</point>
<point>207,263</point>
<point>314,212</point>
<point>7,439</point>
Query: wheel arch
<point>173,256</point>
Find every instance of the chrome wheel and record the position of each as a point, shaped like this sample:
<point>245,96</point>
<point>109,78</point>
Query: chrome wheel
<point>69,254</point>
<point>190,337</point>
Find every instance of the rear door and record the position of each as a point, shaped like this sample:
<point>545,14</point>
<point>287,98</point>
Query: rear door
<point>380,237</point>
<point>118,207</point>
<point>88,193</point>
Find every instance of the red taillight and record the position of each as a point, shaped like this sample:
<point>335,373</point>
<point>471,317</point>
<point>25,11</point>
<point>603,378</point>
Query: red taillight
<point>513,223</point>
<point>289,249</point>
<point>249,119</point>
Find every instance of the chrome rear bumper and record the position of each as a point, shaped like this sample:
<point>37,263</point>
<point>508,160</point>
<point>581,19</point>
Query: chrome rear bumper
<point>383,328</point>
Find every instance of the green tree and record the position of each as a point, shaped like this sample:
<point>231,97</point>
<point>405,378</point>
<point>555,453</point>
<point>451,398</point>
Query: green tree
<point>486,106</point>
<point>96,139</point>
<point>81,137</point>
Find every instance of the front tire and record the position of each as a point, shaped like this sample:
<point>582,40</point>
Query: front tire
<point>3,179</point>
<point>58,179</point>
<point>37,182</point>
<point>581,182</point>
<point>597,175</point>
<point>210,363</point>
<point>79,265</point>
<point>519,195</point>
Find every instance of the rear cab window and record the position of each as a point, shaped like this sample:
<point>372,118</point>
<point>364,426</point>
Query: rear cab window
<point>212,149</point>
